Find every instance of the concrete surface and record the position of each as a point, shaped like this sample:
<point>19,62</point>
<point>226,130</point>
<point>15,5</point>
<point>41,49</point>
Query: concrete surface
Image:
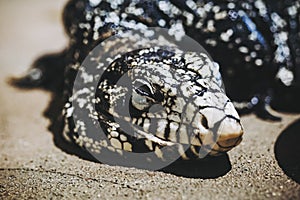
<point>33,167</point>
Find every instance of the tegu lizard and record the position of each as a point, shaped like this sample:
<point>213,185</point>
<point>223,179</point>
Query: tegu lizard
<point>175,96</point>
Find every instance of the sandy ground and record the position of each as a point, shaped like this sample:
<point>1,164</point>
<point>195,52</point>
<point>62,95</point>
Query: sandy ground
<point>32,166</point>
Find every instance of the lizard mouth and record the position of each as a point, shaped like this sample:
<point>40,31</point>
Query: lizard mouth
<point>221,146</point>
<point>230,143</point>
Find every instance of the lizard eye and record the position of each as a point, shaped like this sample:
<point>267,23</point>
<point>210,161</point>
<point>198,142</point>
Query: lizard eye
<point>142,95</point>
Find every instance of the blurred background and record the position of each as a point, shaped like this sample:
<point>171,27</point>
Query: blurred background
<point>28,29</point>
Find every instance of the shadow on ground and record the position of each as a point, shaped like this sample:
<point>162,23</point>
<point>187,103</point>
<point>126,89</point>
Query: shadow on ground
<point>287,151</point>
<point>209,167</point>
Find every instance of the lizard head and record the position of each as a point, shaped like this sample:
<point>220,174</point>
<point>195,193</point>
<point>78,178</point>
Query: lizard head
<point>161,97</point>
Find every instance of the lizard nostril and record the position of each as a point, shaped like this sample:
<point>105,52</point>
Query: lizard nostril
<point>204,122</point>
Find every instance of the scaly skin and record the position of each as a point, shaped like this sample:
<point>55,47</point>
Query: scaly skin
<point>256,44</point>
